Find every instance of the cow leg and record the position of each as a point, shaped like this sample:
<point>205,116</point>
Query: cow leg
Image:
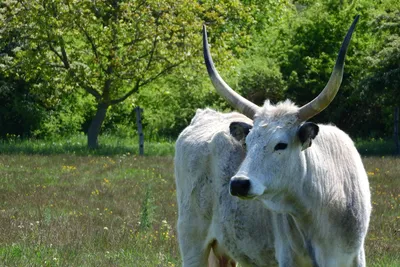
<point>219,261</point>
<point>193,246</point>
<point>194,255</point>
<point>360,260</point>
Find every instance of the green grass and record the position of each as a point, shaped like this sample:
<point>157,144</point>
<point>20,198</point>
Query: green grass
<point>72,209</point>
<point>68,210</point>
<point>383,240</point>
<point>112,145</point>
<point>108,145</point>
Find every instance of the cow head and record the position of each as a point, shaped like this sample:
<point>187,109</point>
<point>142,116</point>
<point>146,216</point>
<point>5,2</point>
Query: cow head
<point>275,159</point>
<point>280,134</point>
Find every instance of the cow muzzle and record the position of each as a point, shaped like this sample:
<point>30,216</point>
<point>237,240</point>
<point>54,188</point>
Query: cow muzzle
<point>239,187</point>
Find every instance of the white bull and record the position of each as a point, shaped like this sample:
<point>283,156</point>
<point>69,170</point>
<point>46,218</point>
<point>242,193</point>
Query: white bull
<point>211,220</point>
<point>320,191</point>
<point>309,177</point>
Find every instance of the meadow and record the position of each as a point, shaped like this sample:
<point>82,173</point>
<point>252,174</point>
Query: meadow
<point>72,209</point>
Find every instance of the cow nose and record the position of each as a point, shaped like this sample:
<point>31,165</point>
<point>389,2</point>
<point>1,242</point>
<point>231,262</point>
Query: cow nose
<point>239,186</point>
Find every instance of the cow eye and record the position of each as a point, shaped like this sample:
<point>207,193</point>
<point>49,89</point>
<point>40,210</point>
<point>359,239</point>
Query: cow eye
<point>280,146</point>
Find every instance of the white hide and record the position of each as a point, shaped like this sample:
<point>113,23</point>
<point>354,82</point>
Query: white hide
<point>206,157</point>
<point>320,197</point>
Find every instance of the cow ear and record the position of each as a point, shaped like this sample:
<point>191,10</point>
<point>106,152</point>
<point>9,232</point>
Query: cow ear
<point>306,133</point>
<point>239,130</point>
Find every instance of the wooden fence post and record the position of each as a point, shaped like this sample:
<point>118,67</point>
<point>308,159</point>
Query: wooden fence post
<point>138,112</point>
<point>396,130</point>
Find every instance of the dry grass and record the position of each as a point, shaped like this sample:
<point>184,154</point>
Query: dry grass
<point>66,210</point>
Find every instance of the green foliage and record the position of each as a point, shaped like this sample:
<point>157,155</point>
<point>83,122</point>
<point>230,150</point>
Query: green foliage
<point>110,49</point>
<point>147,210</point>
<point>60,60</point>
<point>170,104</point>
<point>65,115</point>
<point>261,79</point>
<point>20,112</point>
<point>382,81</point>
<point>305,47</point>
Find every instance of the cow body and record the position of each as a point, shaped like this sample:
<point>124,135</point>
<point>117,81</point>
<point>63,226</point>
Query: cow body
<point>316,186</point>
<point>206,158</point>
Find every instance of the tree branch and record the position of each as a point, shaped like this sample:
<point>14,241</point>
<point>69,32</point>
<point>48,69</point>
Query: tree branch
<point>55,51</point>
<point>64,53</point>
<point>170,67</point>
<point>140,84</point>
<point>64,59</point>
<point>132,91</point>
<point>153,49</point>
<point>90,39</point>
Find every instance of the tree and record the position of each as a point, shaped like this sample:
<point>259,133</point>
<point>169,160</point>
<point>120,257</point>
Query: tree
<point>108,48</point>
<point>381,84</point>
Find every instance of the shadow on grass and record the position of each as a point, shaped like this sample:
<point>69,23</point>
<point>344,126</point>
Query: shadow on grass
<point>375,147</point>
<point>43,147</point>
<point>117,146</point>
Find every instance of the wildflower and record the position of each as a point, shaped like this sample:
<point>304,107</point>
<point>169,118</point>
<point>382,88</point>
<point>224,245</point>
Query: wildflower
<point>68,168</point>
<point>106,228</point>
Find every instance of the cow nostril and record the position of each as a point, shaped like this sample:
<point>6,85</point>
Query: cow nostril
<point>239,186</point>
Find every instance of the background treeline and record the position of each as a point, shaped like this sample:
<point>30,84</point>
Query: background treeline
<point>69,67</point>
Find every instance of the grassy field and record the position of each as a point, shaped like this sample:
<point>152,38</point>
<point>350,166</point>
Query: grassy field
<point>120,210</point>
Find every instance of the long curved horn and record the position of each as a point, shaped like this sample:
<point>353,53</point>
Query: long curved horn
<point>328,94</point>
<point>235,100</point>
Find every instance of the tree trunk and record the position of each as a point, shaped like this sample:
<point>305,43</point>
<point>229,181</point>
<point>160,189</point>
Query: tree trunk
<point>396,130</point>
<point>139,111</point>
<point>95,125</point>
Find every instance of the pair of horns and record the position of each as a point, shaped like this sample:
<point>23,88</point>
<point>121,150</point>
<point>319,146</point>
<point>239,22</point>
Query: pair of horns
<point>305,112</point>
